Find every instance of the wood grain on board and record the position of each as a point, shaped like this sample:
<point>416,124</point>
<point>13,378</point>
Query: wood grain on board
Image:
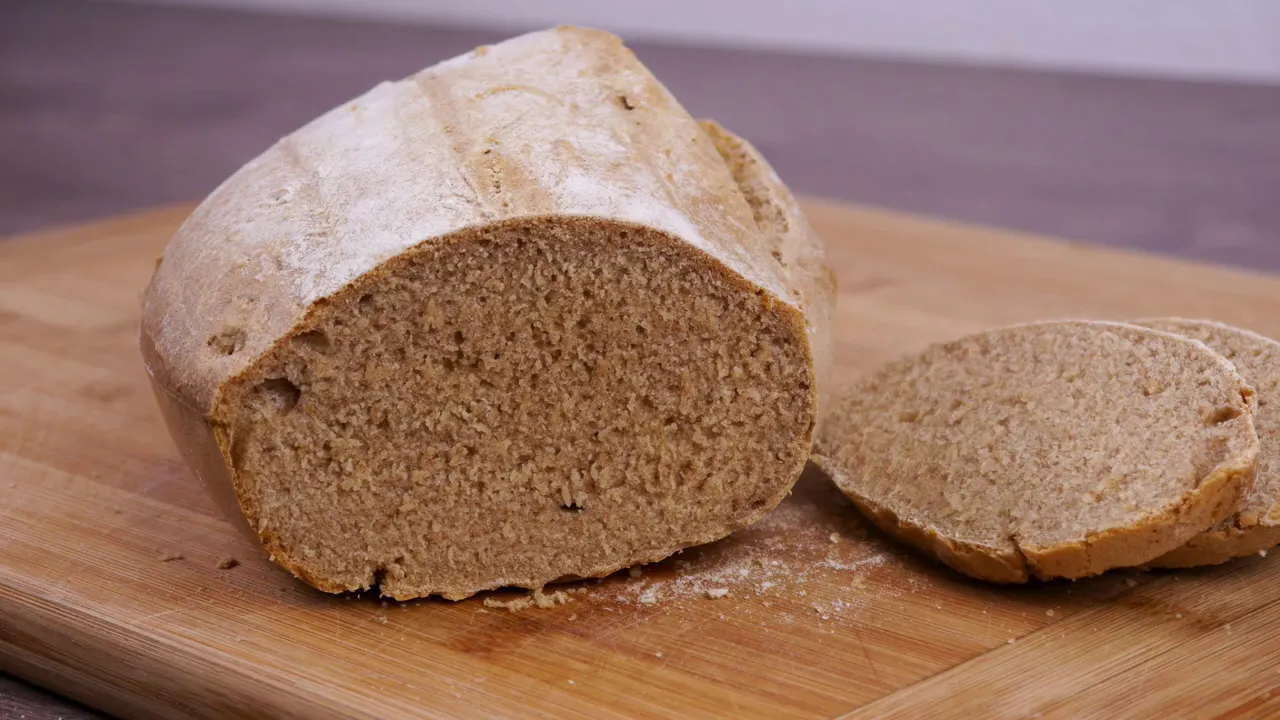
<point>111,592</point>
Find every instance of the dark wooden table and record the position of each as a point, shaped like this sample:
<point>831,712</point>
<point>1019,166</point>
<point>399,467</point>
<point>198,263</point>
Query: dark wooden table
<point>106,108</point>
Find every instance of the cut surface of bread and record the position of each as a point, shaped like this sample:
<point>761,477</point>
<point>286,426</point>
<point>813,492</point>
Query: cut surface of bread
<point>1050,450</point>
<point>515,318</point>
<point>1256,525</point>
<point>520,405</point>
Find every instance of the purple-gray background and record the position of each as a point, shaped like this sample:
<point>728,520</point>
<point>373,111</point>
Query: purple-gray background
<point>110,107</point>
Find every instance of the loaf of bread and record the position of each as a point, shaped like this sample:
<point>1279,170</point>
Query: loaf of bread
<point>1052,450</point>
<point>514,318</point>
<point>1255,525</point>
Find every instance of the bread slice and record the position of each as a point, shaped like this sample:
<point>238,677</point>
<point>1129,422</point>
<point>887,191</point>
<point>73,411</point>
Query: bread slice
<point>1256,524</point>
<point>1051,450</point>
<point>514,318</point>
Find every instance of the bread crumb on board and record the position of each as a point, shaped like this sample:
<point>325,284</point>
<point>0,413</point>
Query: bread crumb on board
<point>717,593</point>
<point>536,598</point>
<point>227,563</point>
<point>170,556</point>
<point>549,601</point>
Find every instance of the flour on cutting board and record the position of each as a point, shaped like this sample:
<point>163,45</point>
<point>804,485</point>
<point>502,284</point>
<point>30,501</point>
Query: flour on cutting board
<point>813,553</point>
<point>814,537</point>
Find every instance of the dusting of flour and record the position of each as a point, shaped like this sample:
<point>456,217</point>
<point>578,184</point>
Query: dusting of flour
<point>811,550</point>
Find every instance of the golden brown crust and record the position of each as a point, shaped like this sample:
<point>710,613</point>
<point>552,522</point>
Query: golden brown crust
<point>1219,545</point>
<point>1255,523</point>
<point>1216,498</point>
<point>1126,547</point>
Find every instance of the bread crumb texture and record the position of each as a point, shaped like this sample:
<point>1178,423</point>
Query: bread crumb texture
<point>535,401</point>
<point>1056,449</point>
<point>1255,526</point>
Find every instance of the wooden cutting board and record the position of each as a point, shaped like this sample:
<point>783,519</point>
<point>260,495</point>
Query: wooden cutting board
<point>110,589</point>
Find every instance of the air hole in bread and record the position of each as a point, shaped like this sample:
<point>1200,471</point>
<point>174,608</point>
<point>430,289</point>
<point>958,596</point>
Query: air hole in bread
<point>239,449</point>
<point>1223,414</point>
<point>277,395</point>
<point>315,340</point>
<point>393,570</point>
<point>228,342</point>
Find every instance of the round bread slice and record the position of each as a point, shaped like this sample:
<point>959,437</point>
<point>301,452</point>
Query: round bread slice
<point>1255,525</point>
<point>1050,450</point>
<point>514,318</point>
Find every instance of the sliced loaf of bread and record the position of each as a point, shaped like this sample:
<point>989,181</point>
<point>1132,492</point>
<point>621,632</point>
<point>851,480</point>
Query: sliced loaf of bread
<point>516,317</point>
<point>1050,450</point>
<point>1255,526</point>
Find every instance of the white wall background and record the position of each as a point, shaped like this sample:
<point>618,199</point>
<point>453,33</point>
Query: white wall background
<point>1225,39</point>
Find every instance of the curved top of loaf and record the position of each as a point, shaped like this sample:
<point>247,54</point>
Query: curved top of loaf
<point>561,122</point>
